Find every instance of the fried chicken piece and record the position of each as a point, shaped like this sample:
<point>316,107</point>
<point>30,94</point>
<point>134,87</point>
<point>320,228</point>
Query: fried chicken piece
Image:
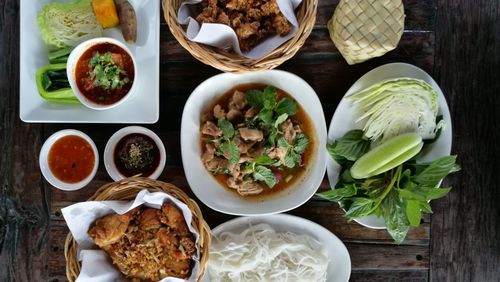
<point>178,247</point>
<point>149,219</point>
<point>110,228</point>
<point>147,244</point>
<point>173,217</point>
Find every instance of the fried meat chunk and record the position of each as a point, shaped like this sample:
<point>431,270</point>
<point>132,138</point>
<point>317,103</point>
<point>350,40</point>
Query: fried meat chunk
<point>252,20</point>
<point>147,244</point>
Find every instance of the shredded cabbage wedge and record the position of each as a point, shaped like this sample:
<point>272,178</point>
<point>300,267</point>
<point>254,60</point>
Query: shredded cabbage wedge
<point>398,106</point>
<point>67,24</point>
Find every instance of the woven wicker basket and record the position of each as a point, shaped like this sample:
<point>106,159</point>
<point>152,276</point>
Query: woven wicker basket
<point>364,29</point>
<point>127,189</point>
<point>228,61</point>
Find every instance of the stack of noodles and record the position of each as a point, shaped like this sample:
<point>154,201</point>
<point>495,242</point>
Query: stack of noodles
<point>261,254</point>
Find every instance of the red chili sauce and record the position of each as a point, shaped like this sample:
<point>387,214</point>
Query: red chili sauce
<point>104,73</point>
<point>135,154</point>
<point>71,159</point>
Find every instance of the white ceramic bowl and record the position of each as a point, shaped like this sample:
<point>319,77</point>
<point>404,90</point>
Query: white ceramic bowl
<point>206,187</point>
<point>339,266</point>
<point>71,65</point>
<point>44,164</point>
<point>345,115</point>
<point>115,138</point>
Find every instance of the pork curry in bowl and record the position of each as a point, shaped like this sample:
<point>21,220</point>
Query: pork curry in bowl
<point>253,143</point>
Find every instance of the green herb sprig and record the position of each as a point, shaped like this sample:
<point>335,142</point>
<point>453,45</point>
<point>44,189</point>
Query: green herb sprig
<point>106,73</point>
<point>400,195</point>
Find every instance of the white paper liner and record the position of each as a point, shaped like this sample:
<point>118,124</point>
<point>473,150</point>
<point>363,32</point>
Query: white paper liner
<point>96,264</point>
<point>223,36</point>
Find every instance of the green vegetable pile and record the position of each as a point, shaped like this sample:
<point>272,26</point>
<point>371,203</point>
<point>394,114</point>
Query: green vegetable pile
<point>400,194</point>
<point>67,24</point>
<point>398,106</point>
<point>52,80</point>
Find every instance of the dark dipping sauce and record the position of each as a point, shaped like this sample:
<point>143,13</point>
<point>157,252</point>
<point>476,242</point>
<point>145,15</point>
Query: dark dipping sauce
<point>71,159</point>
<point>301,118</point>
<point>87,84</point>
<point>136,153</point>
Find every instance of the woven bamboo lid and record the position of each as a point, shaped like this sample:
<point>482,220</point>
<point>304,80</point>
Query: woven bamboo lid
<point>364,29</point>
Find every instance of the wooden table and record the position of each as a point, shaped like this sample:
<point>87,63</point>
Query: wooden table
<point>458,42</point>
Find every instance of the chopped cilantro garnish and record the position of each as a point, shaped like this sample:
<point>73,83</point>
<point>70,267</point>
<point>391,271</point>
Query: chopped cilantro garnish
<point>106,73</point>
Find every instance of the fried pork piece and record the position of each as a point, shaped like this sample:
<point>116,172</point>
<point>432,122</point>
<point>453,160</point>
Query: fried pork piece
<point>252,20</point>
<point>148,244</point>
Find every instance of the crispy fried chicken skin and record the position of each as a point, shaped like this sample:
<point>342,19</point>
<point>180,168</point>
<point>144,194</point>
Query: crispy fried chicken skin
<point>252,20</point>
<point>147,244</point>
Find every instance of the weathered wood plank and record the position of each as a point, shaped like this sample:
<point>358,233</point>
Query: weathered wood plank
<point>364,257</point>
<point>466,224</point>
<point>420,14</point>
<point>324,213</point>
<point>318,42</point>
<point>24,207</point>
<point>393,276</point>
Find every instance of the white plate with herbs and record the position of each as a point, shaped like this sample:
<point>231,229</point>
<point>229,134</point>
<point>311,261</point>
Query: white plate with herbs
<point>346,114</point>
<point>143,107</point>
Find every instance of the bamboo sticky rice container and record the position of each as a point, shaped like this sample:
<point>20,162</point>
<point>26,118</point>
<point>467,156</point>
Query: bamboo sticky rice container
<point>364,29</point>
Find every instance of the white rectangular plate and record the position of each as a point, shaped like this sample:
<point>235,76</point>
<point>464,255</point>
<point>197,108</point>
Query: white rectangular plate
<point>141,107</point>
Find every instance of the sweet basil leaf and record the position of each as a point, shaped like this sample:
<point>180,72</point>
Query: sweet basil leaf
<point>360,207</point>
<point>350,147</point>
<point>338,158</point>
<point>413,212</point>
<point>338,194</point>
<point>286,106</point>
<point>231,152</point>
<point>394,214</point>
<point>280,119</point>
<point>300,143</point>
<point>425,207</point>
<point>262,173</point>
<point>437,170</point>
<point>226,127</point>
<point>436,193</point>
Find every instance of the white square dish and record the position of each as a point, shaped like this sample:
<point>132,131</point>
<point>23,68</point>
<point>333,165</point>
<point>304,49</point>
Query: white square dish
<point>142,107</point>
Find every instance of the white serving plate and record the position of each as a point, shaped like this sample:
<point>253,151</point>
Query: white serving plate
<point>339,267</point>
<point>206,187</point>
<point>345,115</point>
<point>142,107</point>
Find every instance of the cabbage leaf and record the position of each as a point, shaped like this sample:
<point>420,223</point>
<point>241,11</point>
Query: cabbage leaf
<point>67,24</point>
<point>398,106</point>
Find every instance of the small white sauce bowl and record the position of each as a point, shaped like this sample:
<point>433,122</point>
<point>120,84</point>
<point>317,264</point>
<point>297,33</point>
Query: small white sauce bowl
<point>109,162</point>
<point>44,160</point>
<point>71,66</point>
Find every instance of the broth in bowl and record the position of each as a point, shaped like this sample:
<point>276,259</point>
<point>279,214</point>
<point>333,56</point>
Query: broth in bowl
<point>104,73</point>
<point>256,140</point>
